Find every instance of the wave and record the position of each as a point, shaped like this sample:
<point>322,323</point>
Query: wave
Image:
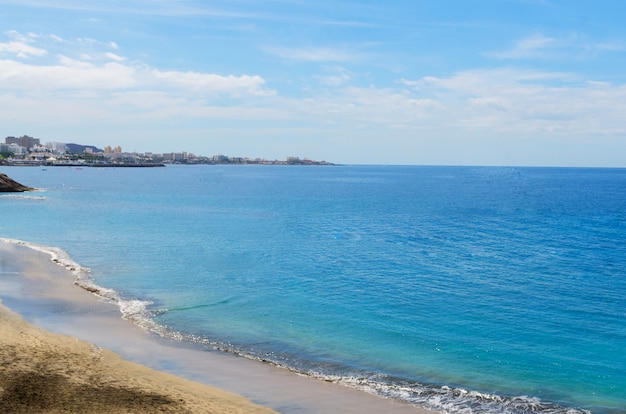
<point>57,256</point>
<point>24,197</point>
<point>450,400</point>
<point>443,399</point>
<point>204,305</point>
<point>133,310</point>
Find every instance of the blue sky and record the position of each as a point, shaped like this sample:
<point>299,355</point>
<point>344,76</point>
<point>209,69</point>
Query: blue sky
<point>453,82</point>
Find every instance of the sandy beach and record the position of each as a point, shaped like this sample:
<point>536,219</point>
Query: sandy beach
<point>69,351</point>
<point>45,372</point>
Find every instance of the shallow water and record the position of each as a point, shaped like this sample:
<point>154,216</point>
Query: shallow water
<point>461,289</point>
<point>43,292</point>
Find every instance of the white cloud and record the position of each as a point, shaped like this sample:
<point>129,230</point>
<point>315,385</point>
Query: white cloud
<point>496,101</point>
<point>535,42</point>
<point>88,68</point>
<point>573,45</point>
<point>79,74</point>
<point>522,102</point>
<point>114,57</point>
<point>334,80</point>
<point>362,108</point>
<point>68,74</point>
<point>209,82</point>
<point>609,46</point>
<point>530,47</point>
<point>19,45</point>
<point>314,54</point>
<point>336,76</point>
<point>21,50</point>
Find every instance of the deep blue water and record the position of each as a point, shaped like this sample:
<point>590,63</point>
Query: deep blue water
<point>464,289</point>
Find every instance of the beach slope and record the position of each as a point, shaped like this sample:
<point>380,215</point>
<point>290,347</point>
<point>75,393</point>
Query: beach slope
<point>43,372</point>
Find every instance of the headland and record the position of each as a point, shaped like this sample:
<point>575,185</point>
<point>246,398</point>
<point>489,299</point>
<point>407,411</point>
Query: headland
<point>8,185</point>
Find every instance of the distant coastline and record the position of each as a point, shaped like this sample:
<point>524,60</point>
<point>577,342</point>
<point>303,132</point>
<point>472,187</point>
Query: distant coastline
<point>19,163</point>
<point>29,151</point>
<point>125,164</point>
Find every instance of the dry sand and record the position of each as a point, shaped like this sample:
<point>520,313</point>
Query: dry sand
<point>42,372</point>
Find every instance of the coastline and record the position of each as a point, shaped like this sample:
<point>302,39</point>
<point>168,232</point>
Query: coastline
<point>38,283</point>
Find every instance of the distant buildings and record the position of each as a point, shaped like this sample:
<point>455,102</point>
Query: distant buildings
<point>27,150</point>
<point>23,141</point>
<point>173,157</point>
<point>109,150</point>
<point>56,147</point>
<point>13,148</point>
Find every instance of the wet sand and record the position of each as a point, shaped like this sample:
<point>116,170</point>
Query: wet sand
<point>45,295</point>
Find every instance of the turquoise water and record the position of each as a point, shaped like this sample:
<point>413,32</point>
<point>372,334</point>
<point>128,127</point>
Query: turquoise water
<point>461,289</point>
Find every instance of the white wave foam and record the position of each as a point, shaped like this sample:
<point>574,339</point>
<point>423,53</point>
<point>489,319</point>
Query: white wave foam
<point>24,197</point>
<point>445,399</point>
<point>57,255</point>
<point>132,310</point>
<point>136,311</point>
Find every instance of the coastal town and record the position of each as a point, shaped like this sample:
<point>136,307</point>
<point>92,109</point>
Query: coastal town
<point>29,151</point>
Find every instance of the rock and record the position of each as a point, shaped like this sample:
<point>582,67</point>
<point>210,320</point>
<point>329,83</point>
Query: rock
<point>7,185</point>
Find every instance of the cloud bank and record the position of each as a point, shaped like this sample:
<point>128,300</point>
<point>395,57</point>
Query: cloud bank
<point>86,81</point>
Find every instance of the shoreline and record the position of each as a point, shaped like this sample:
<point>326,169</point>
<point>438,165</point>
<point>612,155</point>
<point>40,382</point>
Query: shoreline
<point>38,283</point>
<point>46,372</point>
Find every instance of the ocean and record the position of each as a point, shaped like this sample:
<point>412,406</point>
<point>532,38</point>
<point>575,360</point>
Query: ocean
<point>459,289</point>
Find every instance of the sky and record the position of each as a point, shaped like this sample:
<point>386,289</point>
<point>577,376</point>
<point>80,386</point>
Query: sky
<point>416,82</point>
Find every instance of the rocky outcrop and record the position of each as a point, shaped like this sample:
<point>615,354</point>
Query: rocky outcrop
<point>7,185</point>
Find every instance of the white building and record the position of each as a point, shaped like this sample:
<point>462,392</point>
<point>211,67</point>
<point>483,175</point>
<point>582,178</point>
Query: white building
<point>57,147</point>
<point>17,150</point>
